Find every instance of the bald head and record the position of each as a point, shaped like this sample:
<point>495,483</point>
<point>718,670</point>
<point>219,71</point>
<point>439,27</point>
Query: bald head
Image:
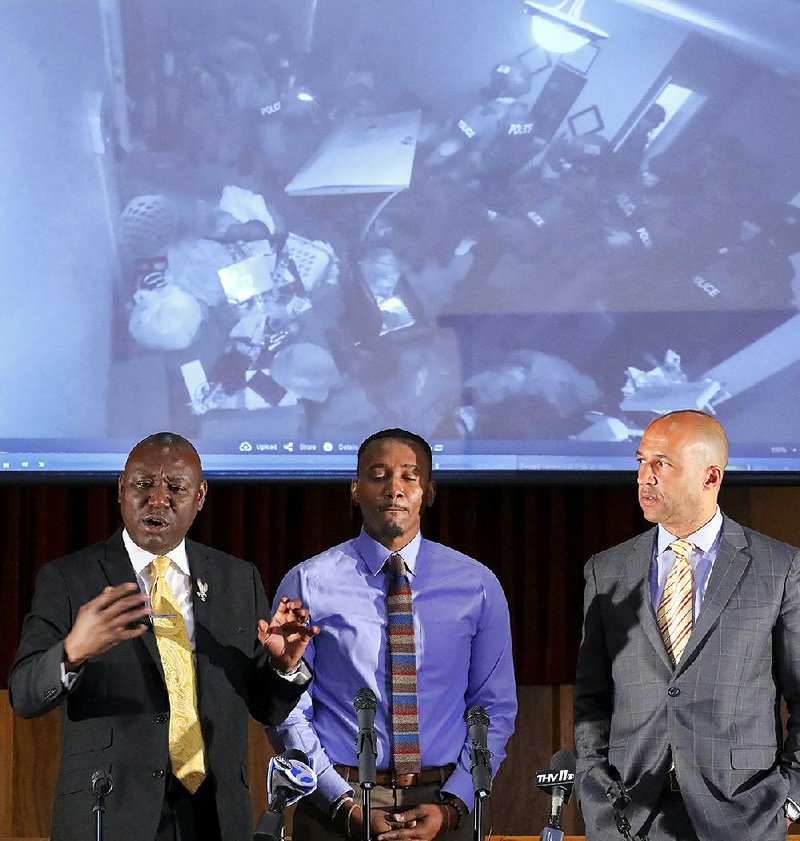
<point>703,433</point>
<point>682,457</point>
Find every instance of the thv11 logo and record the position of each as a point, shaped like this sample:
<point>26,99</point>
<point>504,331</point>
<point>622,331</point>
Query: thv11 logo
<point>544,778</point>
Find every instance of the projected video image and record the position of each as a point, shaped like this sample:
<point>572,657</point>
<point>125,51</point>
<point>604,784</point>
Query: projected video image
<point>276,227</point>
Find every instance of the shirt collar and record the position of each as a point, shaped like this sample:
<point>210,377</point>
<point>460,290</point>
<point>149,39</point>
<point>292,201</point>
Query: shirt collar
<point>704,538</point>
<point>375,554</point>
<point>141,558</point>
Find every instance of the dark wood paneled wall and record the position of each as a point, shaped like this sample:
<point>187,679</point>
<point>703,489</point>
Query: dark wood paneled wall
<point>29,757</point>
<point>536,538</point>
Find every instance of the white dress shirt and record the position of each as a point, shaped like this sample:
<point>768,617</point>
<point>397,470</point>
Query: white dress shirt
<point>178,577</point>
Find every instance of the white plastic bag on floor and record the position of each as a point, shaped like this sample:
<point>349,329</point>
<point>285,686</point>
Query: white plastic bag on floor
<point>165,318</point>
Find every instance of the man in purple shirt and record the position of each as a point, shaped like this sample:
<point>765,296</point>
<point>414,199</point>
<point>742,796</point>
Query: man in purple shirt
<point>463,659</point>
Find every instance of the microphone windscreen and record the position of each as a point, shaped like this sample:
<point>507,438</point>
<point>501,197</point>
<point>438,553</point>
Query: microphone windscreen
<point>564,760</point>
<point>476,715</point>
<point>365,700</point>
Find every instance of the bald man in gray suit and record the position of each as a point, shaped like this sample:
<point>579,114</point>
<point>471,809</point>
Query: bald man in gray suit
<point>687,720</point>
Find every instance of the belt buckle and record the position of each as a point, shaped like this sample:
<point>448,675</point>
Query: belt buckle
<point>408,780</point>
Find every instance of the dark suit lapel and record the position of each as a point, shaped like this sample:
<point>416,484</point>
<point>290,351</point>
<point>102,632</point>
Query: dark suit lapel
<point>729,566</point>
<point>118,569</point>
<point>638,566</point>
<point>207,598</point>
<point>115,562</point>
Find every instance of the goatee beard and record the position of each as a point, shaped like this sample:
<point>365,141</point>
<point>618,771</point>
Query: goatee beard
<point>392,530</point>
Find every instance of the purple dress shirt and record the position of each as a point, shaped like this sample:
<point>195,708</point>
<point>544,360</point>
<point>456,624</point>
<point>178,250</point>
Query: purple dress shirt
<point>463,658</point>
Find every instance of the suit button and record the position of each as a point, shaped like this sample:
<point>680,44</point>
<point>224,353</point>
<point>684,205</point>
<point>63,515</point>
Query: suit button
<point>158,773</point>
<point>673,692</point>
<point>162,719</point>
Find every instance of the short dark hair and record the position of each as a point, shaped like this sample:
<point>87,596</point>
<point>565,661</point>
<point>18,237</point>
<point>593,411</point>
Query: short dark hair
<point>397,434</point>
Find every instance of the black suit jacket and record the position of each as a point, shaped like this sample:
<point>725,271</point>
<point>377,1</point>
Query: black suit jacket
<point>115,717</point>
<point>716,715</point>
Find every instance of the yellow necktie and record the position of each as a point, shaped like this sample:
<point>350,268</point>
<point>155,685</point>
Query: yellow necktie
<point>675,613</point>
<point>185,738</point>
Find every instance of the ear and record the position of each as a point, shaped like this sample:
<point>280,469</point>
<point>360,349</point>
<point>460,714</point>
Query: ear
<point>119,488</point>
<point>201,494</point>
<point>353,489</point>
<point>430,494</point>
<point>713,479</point>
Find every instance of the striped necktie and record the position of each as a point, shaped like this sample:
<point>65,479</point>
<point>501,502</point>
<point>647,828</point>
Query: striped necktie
<point>675,613</point>
<point>403,661</point>
<point>185,738</point>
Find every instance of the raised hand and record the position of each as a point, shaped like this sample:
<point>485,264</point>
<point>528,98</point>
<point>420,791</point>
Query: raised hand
<point>286,635</point>
<point>118,613</point>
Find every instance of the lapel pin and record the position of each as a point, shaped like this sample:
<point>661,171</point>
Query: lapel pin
<point>202,589</point>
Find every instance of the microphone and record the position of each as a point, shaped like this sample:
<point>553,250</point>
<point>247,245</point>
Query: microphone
<point>477,720</point>
<point>557,781</point>
<point>101,787</point>
<point>365,704</point>
<point>102,783</point>
<point>289,777</point>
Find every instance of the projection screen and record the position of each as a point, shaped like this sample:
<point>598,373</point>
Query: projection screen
<point>275,227</point>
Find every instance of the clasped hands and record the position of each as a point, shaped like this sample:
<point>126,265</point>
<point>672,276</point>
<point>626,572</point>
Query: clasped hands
<point>413,823</point>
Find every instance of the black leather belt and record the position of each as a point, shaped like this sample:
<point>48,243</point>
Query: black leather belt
<point>671,783</point>
<point>426,776</point>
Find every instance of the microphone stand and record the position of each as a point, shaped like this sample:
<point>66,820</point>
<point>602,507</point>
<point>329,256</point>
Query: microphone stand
<point>101,786</point>
<point>482,773</point>
<point>477,721</point>
<point>366,799</point>
<point>477,819</point>
<point>553,831</point>
<point>271,827</point>
<point>366,750</point>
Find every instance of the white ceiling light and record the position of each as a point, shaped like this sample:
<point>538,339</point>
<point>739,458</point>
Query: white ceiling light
<point>559,28</point>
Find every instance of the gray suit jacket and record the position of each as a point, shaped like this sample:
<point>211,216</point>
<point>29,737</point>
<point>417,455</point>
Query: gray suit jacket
<point>718,710</point>
<point>116,715</point>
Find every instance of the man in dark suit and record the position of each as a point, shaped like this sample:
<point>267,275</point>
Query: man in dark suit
<point>176,749</point>
<point>691,636</point>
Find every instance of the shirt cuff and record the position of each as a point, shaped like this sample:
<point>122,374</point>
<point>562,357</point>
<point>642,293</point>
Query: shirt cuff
<point>792,810</point>
<point>460,784</point>
<point>330,785</point>
<point>299,675</point>
<point>68,678</point>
